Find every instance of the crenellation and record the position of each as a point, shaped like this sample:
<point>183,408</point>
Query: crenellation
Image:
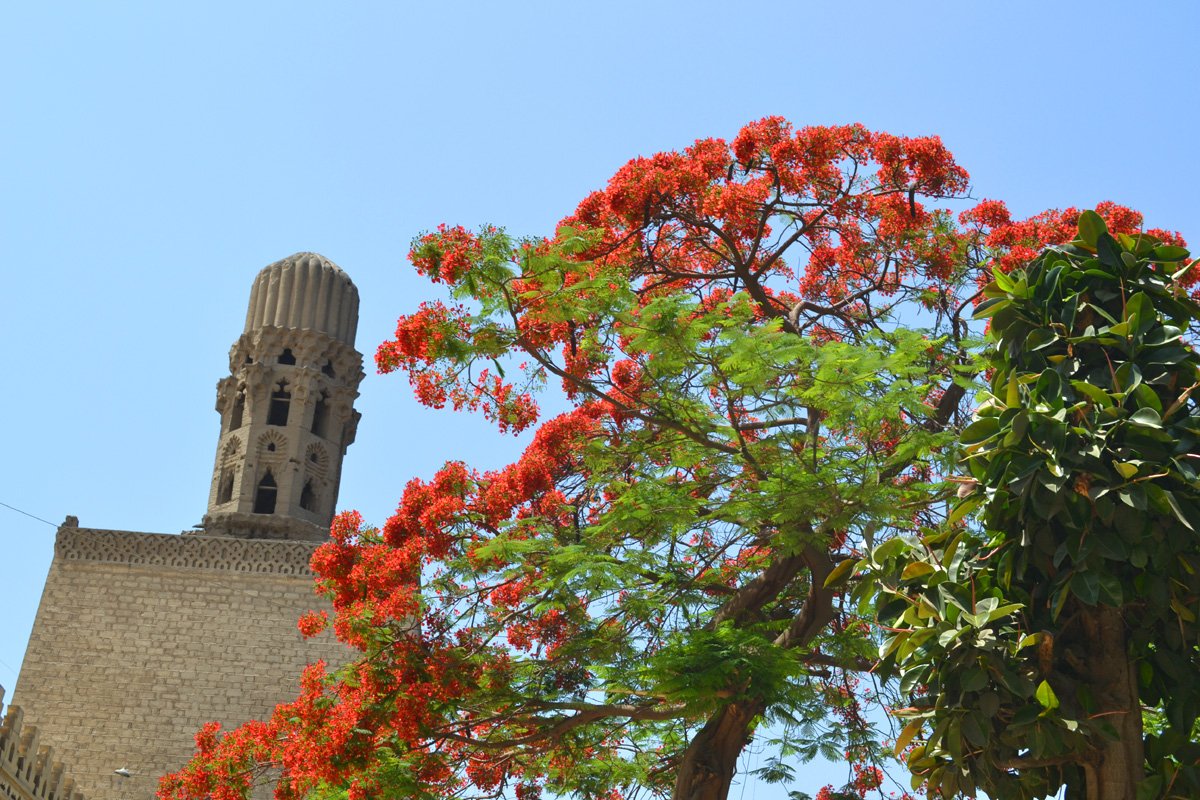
<point>28,770</point>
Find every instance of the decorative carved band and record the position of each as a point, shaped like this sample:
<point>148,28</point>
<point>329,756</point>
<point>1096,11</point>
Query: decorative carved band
<point>312,350</point>
<point>262,556</point>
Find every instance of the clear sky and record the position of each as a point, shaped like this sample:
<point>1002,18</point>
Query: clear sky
<point>154,156</point>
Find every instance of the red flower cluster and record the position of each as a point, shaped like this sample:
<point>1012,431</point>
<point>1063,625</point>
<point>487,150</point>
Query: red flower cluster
<point>456,250</point>
<point>850,200</point>
<point>1016,242</point>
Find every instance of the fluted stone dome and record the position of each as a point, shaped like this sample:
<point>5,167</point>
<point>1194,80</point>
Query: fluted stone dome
<point>306,291</point>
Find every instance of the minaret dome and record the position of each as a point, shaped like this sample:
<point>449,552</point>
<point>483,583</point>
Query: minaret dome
<point>305,291</point>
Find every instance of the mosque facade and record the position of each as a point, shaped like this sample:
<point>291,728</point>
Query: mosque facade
<point>141,638</point>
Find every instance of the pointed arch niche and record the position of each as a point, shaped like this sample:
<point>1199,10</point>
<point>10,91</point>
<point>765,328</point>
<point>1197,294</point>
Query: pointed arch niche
<point>265,494</point>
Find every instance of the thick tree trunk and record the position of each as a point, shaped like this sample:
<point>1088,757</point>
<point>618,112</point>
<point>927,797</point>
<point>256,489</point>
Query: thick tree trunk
<point>710,761</point>
<point>1119,769</point>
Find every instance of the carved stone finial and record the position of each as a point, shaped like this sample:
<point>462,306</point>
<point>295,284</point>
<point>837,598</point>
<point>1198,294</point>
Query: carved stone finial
<point>71,521</point>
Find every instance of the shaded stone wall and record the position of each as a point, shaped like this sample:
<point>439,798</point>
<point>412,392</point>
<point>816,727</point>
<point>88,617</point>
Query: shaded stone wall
<point>141,638</point>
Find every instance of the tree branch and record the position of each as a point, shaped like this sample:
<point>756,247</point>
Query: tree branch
<point>559,726</point>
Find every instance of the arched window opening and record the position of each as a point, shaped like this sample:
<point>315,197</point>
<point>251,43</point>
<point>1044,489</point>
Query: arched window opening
<point>264,498</point>
<point>225,487</point>
<point>280,400</point>
<point>308,497</point>
<point>328,369</point>
<point>249,359</point>
<point>236,411</point>
<point>320,424</point>
<point>286,357</point>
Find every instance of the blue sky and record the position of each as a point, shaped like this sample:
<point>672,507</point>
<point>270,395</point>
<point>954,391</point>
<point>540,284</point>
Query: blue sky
<point>154,156</point>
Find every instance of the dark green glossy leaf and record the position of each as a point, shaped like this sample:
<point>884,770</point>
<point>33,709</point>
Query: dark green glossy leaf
<point>980,431</point>
<point>1039,338</point>
<point>974,731</point>
<point>974,679</point>
<point>989,307</point>
<point>1129,375</point>
<point>1091,226</point>
<point>1169,355</point>
<point>1086,586</point>
<point>1109,251</point>
<point>1092,392</point>
<point>1146,397</point>
<point>1111,591</point>
<point>1146,417</point>
<point>1169,252</point>
<point>1140,311</point>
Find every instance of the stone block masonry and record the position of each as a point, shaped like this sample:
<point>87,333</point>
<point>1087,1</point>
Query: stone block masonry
<point>141,638</point>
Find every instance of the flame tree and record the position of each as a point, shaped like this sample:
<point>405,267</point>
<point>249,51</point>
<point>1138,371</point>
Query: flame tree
<point>662,572</point>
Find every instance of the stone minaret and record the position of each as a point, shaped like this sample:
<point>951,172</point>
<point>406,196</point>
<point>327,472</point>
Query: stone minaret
<point>287,407</point>
<point>141,638</point>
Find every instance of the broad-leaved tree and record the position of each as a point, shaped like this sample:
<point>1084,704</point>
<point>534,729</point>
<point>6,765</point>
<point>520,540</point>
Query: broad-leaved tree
<point>1030,646</point>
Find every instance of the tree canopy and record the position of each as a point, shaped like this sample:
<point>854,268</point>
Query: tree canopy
<point>1031,646</point>
<point>764,349</point>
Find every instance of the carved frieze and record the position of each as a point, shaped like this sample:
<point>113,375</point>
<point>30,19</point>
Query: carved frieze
<point>192,551</point>
<point>313,350</point>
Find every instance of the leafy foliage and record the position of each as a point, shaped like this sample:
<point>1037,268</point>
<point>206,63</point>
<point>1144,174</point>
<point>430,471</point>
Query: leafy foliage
<point>1082,461</point>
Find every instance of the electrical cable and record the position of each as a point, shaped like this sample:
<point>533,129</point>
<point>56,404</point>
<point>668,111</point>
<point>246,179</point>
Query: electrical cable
<point>26,513</point>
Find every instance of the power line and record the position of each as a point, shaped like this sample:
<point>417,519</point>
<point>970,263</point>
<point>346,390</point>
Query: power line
<point>26,513</point>
<point>9,667</point>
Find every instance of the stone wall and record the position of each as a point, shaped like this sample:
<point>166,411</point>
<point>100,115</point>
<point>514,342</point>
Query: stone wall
<point>28,768</point>
<point>141,638</point>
